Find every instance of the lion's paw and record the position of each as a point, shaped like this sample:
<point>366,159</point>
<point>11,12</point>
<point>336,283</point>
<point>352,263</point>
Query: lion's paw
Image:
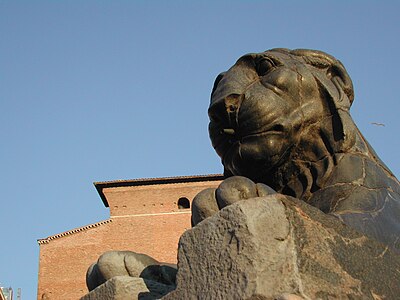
<point>231,190</point>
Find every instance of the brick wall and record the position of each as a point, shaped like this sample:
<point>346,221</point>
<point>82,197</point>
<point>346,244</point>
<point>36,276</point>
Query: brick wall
<point>144,218</point>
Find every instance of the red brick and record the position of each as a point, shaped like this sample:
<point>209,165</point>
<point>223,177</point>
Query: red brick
<point>144,218</point>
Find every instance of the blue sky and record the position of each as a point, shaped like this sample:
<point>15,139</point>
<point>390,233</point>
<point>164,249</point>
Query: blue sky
<point>105,90</point>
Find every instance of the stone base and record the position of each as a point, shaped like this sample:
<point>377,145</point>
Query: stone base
<point>278,247</point>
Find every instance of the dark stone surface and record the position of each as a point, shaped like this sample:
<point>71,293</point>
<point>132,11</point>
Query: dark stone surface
<point>279,247</point>
<point>281,118</point>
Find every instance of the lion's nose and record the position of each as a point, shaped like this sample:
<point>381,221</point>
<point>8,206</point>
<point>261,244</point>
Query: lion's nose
<point>232,103</point>
<point>225,109</point>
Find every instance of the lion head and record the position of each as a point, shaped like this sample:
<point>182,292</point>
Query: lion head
<point>275,114</point>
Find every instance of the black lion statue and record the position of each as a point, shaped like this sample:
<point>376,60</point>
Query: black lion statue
<point>281,118</point>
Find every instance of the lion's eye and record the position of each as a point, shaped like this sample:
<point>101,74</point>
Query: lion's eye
<point>264,66</point>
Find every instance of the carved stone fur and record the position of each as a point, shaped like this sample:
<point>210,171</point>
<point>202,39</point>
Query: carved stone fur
<point>282,118</point>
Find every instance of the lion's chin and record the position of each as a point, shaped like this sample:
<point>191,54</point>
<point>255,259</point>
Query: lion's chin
<point>256,155</point>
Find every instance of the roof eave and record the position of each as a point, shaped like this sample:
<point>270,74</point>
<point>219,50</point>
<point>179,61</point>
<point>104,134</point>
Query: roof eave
<point>152,181</point>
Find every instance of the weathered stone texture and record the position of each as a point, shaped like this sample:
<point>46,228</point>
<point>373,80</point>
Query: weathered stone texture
<point>277,247</point>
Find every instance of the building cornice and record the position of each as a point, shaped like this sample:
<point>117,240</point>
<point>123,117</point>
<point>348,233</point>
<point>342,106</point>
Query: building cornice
<point>153,181</point>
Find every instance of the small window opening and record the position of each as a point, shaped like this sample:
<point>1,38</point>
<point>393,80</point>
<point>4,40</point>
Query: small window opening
<point>183,203</point>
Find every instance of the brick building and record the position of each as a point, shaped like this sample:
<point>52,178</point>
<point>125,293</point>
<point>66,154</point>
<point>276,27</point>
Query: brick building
<point>146,216</point>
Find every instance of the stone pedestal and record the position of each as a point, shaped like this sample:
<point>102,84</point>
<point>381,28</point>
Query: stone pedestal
<point>278,247</point>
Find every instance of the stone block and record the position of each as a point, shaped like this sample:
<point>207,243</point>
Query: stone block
<point>277,247</point>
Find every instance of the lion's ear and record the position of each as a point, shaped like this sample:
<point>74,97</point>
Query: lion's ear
<point>340,131</point>
<point>342,81</point>
<point>332,74</point>
<point>336,90</point>
<point>343,125</point>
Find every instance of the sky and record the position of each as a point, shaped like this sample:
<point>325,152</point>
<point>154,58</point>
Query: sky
<point>105,90</point>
